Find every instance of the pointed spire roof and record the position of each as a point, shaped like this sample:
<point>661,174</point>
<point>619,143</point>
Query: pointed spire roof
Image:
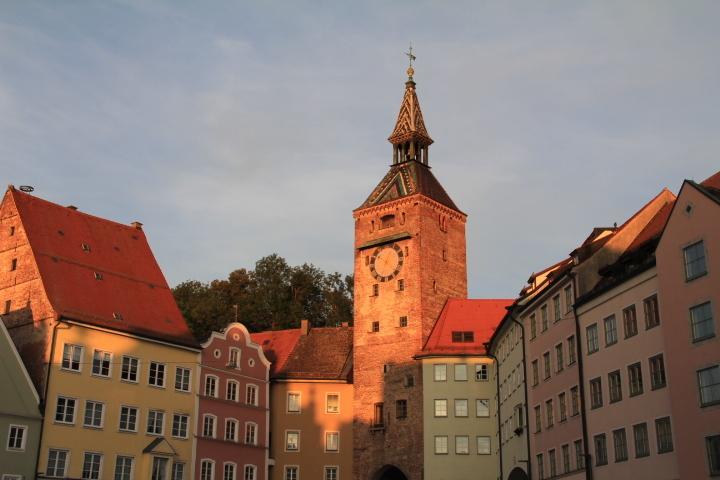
<point>410,124</point>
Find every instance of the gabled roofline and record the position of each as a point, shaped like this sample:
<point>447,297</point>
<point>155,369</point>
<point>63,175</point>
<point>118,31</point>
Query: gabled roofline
<point>16,354</point>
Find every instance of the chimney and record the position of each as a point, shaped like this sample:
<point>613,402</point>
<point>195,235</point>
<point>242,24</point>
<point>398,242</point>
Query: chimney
<point>304,327</point>
<point>137,225</point>
<point>345,324</point>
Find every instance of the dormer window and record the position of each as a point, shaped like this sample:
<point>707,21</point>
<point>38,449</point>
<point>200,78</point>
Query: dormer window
<point>98,276</point>
<point>117,316</point>
<point>85,247</point>
<point>387,221</point>
<point>463,337</point>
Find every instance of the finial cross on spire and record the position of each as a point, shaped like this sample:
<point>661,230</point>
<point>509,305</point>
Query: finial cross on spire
<point>410,55</point>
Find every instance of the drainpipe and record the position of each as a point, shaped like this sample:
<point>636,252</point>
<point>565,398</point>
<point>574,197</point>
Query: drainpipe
<point>497,389</point>
<point>525,377</point>
<point>581,380</point>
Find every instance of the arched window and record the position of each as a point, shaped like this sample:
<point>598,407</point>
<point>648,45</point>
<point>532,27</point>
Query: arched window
<point>207,470</point>
<point>231,430</point>
<point>228,471</point>
<point>211,384</point>
<point>231,392</point>
<point>250,472</point>
<point>208,426</point>
<point>251,394</point>
<point>251,433</point>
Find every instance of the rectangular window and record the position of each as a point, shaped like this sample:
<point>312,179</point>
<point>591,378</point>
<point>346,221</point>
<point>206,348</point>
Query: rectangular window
<point>231,430</point>
<point>250,433</point>
<point>709,384</point>
<point>540,466</point>
<point>552,463</point>
<point>481,372</point>
<point>16,437</point>
<point>156,374</point>
<point>657,372</point>
<point>533,327</point>
<point>610,330</point>
<point>549,413</point>
<point>292,473</point>
<point>403,321</point>
<point>332,441</point>
<point>664,435</point>
<point>441,445</point>
<point>91,466</point>
<point>568,298</point>
<point>178,471</point>
<point>544,317</point>
<point>571,350</point>
<point>556,308</point>
<point>129,370</point>
<point>293,402</point>
<point>441,408</point>
<point>379,416</point>
<point>375,327</point>
<point>620,445</point>
<point>401,409</point>
<point>211,387</point>
<point>562,403</point>
<point>712,444</point>
<point>615,384</point>
<point>701,321</point>
<point>233,357</point>
<point>642,444</point>
<point>546,365</point>
<point>250,472</point>
<point>180,425</point>
<point>461,407</point>
<point>231,390</point>
<point>566,458</point>
<point>155,422</point>
<point>591,332</point>
<point>72,357</point>
<point>331,473</point>
<point>228,471</point>
<point>57,463</point>
<point>101,363</point>
<point>460,372</point>
<point>538,419</point>
<point>596,393</point>
<point>462,337</point>
<point>292,441</point>
<point>332,403</point>
<point>251,397</point>
<point>635,376</point>
<point>440,372</point>
<point>128,419</point>
<point>535,372</point>
<point>482,407</point>
<point>483,445</point>
<point>182,379</point>
<point>652,316</point>
<point>375,290</point>
<point>579,454</point>
<point>694,256</point>
<point>65,410</point>
<point>159,469</point>
<point>93,414</point>
<point>123,467</point>
<point>208,430</point>
<point>401,285</point>
<point>630,321</point>
<point>574,401</point>
<point>560,361</point>
<point>600,449</point>
<point>462,444</point>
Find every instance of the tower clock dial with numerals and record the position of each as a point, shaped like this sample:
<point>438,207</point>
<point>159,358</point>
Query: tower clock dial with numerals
<point>386,262</point>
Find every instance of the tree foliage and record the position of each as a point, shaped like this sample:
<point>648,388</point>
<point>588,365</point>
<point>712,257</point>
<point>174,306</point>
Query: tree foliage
<point>272,296</point>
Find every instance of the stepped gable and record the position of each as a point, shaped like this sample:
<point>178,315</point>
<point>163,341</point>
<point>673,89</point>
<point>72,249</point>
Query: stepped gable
<point>480,316</point>
<point>321,354</point>
<point>100,272</point>
<point>277,346</point>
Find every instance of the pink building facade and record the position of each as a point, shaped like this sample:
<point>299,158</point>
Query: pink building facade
<point>688,264</point>
<point>233,411</point>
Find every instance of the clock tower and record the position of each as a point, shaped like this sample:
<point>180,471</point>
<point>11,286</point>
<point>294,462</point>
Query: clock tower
<point>409,259</point>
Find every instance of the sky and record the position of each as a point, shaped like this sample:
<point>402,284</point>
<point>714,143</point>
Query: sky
<point>233,130</point>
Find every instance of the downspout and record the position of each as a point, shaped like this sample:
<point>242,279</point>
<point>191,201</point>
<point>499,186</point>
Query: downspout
<point>581,380</point>
<point>497,389</point>
<point>43,401</point>
<point>525,377</point>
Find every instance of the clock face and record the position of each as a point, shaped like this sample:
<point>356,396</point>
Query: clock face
<point>386,262</point>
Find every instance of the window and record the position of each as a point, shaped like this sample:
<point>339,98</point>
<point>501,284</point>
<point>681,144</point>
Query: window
<point>401,285</point>
<point>615,385</point>
<point>441,408</point>
<point>574,401</point>
<point>701,321</point>
<point>556,308</point>
<point>65,410</point>
<point>91,466</point>
<point>8,306</point>
<point>250,433</point>
<point>292,473</point>
<point>234,357</point>
<point>482,407</point>
<point>331,473</point>
<point>332,403</point>
<point>72,357</point>
<point>441,444</point>
<point>251,396</point>
<point>538,419</point>
<point>596,393</point>
<point>182,379</point>
<point>540,466</point>
<point>610,330</point>
<point>403,321</point>
<point>129,370</point>
<point>409,381</point>
<point>546,365</point>
<point>93,414</point>
<point>592,338</point>
<point>657,372</point>
<point>462,444</point>
<point>293,402</point>
<point>630,321</point>
<point>250,472</point>
<point>566,458</point>
<point>13,265</point>
<point>180,425</point>
<point>440,372</point>
<point>694,256</point>
<point>376,290</point>
<point>375,327</point>
<point>16,437</point>
<point>57,463</point>
<point>123,467</point>
<point>571,349</point>
<point>461,407</point>
<point>664,435</point>
<point>560,364</point>
<point>533,326</point>
<point>544,317</point>
<point>155,422</point>
<point>600,449</point>
<point>535,372</point>
<point>379,415</point>
<point>156,374</point>
<point>207,470</point>
<point>579,454</point>
<point>635,375</point>
<point>178,471</point>
<point>211,389</point>
<point>332,441</point>
<point>709,383</point>
<point>231,390</point>
<point>481,372</point>
<point>549,413</point>
<point>231,427</point>
<point>387,221</point>
<point>228,471</point>
<point>620,444</point>
<point>483,445</point>
<point>208,426</point>
<point>101,363</point>
<point>652,316</point>
<point>642,444</point>
<point>563,406</point>
<point>128,419</point>
<point>292,441</point>
<point>552,462</point>
<point>463,337</point>
<point>401,408</point>
<point>568,298</point>
<point>712,444</point>
<point>460,370</point>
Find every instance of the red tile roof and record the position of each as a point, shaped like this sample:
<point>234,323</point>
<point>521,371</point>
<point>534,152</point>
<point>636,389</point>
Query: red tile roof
<point>277,346</point>
<point>480,316</point>
<point>100,272</point>
<point>653,229</point>
<point>712,181</point>
<point>324,353</point>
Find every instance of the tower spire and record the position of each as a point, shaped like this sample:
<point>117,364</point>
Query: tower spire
<point>410,138</point>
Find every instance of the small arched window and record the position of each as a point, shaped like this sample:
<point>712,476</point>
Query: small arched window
<point>387,221</point>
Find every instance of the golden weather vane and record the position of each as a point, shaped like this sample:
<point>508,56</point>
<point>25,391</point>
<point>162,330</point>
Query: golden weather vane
<point>411,58</point>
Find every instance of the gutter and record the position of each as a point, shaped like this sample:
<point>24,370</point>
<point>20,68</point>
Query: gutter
<point>497,389</point>
<point>514,319</point>
<point>581,380</point>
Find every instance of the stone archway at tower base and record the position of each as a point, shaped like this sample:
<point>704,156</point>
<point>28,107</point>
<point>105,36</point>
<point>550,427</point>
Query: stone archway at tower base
<point>389,472</point>
<point>518,473</point>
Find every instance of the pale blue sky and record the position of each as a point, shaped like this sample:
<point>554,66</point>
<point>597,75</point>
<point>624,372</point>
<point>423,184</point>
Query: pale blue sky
<point>233,130</point>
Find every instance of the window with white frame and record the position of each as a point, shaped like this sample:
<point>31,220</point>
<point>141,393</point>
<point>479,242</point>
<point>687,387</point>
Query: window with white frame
<point>635,379</point>
<point>129,369</point>
<point>332,441</point>
<point>182,379</point>
<point>72,357</point>
<point>65,410</point>
<point>207,469</point>
<point>709,384</point>
<point>123,467</point>
<point>17,437</point>
<point>234,356</point>
<point>211,386</point>
<point>159,468</point>
<point>292,472</point>
<point>331,472</point>
<point>93,414</point>
<point>652,314</point>
<point>101,363</point>
<point>56,463</point>
<point>251,394</point>
<point>460,372</point>
<point>441,407</point>
<point>483,445</point>
<point>630,321</point>
<point>156,374</point>
<point>332,403</point>
<point>250,433</point>
<point>128,419</point>
<point>591,333</point>
<point>701,321</point>
<point>208,426</point>
<point>461,407</point>
<point>292,441</point>
<point>180,425</point>
<point>610,330</point>
<point>231,427</point>
<point>156,419</point>
<point>91,466</point>
<point>229,471</point>
<point>178,471</point>
<point>695,265</point>
<point>440,372</point>
<point>462,444</point>
<point>571,349</point>
<point>231,391</point>
<point>250,472</point>
<point>482,407</point>
<point>293,402</point>
<point>481,372</point>
<point>441,444</point>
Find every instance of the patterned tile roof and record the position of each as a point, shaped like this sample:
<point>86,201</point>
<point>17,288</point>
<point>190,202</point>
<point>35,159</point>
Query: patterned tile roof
<point>410,124</point>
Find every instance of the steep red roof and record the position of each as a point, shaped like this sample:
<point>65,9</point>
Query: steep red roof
<point>324,353</point>
<point>277,346</point>
<point>712,181</point>
<point>100,272</point>
<point>480,316</point>
<point>653,229</point>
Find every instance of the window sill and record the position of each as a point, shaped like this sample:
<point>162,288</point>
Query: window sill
<point>702,339</point>
<point>710,404</point>
<point>695,277</point>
